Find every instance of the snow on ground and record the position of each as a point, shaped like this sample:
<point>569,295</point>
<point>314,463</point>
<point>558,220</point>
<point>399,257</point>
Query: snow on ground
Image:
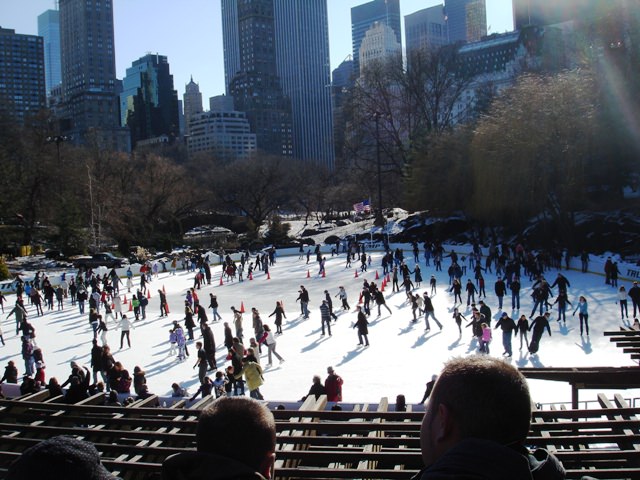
<point>401,358</point>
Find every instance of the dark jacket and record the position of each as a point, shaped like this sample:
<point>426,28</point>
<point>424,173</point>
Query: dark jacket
<point>201,466</point>
<point>476,459</point>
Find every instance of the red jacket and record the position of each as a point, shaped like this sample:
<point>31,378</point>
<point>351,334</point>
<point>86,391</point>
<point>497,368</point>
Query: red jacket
<point>333,386</point>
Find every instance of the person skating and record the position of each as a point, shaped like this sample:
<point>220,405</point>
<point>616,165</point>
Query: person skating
<point>429,311</point>
<point>508,326</point>
<point>583,309</point>
<point>279,313</point>
<point>538,327</point>
<point>268,339</point>
<point>362,326</point>
<point>325,317</point>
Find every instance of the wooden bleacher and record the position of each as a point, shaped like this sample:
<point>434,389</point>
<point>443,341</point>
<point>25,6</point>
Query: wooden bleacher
<point>359,442</point>
<point>628,340</point>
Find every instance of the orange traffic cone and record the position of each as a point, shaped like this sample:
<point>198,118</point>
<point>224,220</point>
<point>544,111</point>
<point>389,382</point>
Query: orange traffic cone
<point>148,293</point>
<point>388,279</point>
<point>382,287</point>
<point>268,276</point>
<point>377,276</point>
<point>308,274</point>
<point>356,275</point>
<point>241,307</point>
<point>251,276</point>
<point>131,307</point>
<point>166,307</point>
<point>125,300</point>
<point>360,299</point>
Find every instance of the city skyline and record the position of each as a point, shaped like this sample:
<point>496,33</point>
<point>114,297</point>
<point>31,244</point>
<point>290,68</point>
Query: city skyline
<point>192,42</point>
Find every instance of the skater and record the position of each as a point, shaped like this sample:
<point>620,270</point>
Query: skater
<point>188,319</point>
<point>485,338</point>
<point>237,322</point>
<point>500,289</point>
<point>279,313</point>
<point>125,327</point>
<point>303,298</point>
<point>329,300</point>
<point>538,326</point>
<point>362,326</point>
<point>209,345</point>
<point>522,328</point>
<point>268,339</point>
<point>201,363</point>
<point>515,293</point>
<point>583,314</point>
<point>429,311</point>
<point>622,301</point>
<point>342,293</point>
<point>325,317</point>
<point>380,301</point>
<point>432,284</point>
<point>562,302</point>
<point>457,316</point>
<point>508,326</point>
<point>471,292</point>
<point>164,312</point>
<point>213,305</point>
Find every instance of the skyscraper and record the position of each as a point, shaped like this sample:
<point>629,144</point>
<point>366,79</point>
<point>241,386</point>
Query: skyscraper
<point>255,85</point>
<point>302,59</point>
<point>230,41</point>
<point>364,16</point>
<point>425,29</point>
<point>148,102</point>
<point>90,101</point>
<point>466,20</point>
<point>49,30</point>
<point>379,44</point>
<point>192,103</point>
<point>22,84</point>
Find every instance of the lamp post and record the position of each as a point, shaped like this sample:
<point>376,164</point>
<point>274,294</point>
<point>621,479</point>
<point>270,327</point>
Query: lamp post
<point>58,139</point>
<point>379,216</point>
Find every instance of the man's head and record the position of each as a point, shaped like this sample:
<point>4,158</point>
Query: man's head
<point>222,430</point>
<point>477,396</point>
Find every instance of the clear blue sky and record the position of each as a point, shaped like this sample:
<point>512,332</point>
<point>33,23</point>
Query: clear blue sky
<point>189,32</point>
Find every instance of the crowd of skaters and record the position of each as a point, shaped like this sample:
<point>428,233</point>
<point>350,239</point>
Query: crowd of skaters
<point>102,294</point>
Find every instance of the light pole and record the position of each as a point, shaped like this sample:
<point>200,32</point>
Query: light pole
<point>379,216</point>
<point>58,139</point>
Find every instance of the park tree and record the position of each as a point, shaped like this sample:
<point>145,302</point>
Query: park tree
<point>532,153</point>
<point>254,187</point>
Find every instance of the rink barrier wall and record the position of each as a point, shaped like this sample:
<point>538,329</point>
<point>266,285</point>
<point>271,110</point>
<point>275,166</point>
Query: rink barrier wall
<point>628,271</point>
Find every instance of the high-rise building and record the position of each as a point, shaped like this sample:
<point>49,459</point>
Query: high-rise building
<point>148,102</point>
<point>192,103</point>
<point>226,133</point>
<point>303,65</point>
<point>466,20</point>
<point>89,87</point>
<point>425,29</point>
<point>255,85</point>
<point>230,41</point>
<point>364,16</point>
<point>49,30</point>
<point>22,79</point>
<point>378,45</point>
<point>342,80</point>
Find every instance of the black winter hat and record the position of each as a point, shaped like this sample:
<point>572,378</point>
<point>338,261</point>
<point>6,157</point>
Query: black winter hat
<point>58,458</point>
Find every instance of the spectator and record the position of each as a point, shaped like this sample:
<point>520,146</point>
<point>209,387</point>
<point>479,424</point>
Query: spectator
<point>333,386</point>
<point>317,388</point>
<point>223,445</point>
<point>457,442</point>
<point>61,457</point>
<point>177,391</point>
